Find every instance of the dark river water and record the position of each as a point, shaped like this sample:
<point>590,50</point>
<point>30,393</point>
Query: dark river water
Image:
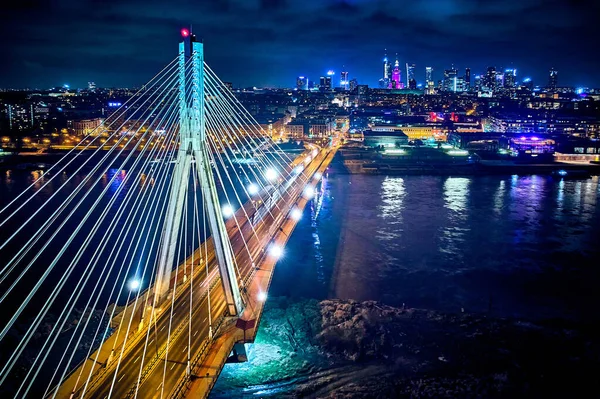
<point>526,247</point>
<point>520,246</point>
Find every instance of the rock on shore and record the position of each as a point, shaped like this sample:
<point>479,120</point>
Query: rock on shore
<point>426,354</point>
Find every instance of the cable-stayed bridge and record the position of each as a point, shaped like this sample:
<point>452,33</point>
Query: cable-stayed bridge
<point>133,266</point>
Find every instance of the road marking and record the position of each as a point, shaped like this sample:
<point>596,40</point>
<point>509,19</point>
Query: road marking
<point>174,313</point>
<point>163,327</point>
<point>151,341</point>
<point>136,359</point>
<point>204,319</point>
<point>173,366</point>
<point>184,348</point>
<point>123,376</point>
<point>159,385</point>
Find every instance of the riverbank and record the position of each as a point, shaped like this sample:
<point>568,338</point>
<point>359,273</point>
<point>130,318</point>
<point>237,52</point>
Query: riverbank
<point>349,349</point>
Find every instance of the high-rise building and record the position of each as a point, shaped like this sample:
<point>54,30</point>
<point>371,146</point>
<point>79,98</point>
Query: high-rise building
<point>510,78</point>
<point>91,85</point>
<point>489,79</point>
<point>344,80</point>
<point>410,76</point>
<point>430,84</point>
<point>384,82</point>
<point>353,84</point>
<point>527,82</point>
<point>450,79</point>
<point>325,83</point>
<point>499,81</point>
<point>477,83</point>
<point>467,79</point>
<point>459,84</point>
<point>553,79</point>
<point>302,83</point>
<point>396,82</point>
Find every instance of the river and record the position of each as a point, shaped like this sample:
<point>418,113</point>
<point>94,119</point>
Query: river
<point>522,247</point>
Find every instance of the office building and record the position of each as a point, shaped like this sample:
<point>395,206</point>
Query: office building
<point>410,76</point>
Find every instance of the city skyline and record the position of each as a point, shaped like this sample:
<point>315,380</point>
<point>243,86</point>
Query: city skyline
<point>266,43</point>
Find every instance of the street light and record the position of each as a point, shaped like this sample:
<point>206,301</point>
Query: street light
<point>271,174</point>
<point>275,251</point>
<point>262,296</point>
<point>134,284</point>
<point>309,192</point>
<point>252,189</point>
<point>318,175</point>
<point>227,210</point>
<point>296,214</point>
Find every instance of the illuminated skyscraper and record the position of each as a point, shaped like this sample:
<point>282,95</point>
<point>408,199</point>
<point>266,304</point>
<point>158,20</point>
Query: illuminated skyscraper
<point>302,83</point>
<point>344,80</point>
<point>450,79</point>
<point>325,82</point>
<point>489,79</point>
<point>385,81</point>
<point>553,79</point>
<point>411,82</point>
<point>396,82</point>
<point>429,83</point>
<point>510,78</point>
<point>467,79</point>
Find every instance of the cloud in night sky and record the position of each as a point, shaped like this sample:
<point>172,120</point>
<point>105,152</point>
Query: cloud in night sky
<point>270,42</point>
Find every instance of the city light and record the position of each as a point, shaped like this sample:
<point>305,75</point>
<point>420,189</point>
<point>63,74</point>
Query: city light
<point>227,210</point>
<point>275,251</point>
<point>271,174</point>
<point>298,169</point>
<point>262,296</point>
<point>134,284</point>
<point>253,189</point>
<point>458,152</point>
<point>185,32</point>
<point>318,175</point>
<point>309,192</point>
<point>296,214</point>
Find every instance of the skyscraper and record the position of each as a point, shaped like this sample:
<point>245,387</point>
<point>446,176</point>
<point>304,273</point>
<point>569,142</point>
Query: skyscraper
<point>325,83</point>
<point>467,79</point>
<point>489,79</point>
<point>450,79</point>
<point>410,76</point>
<point>430,84</point>
<point>510,78</point>
<point>385,81</point>
<point>344,80</point>
<point>302,83</point>
<point>396,76</point>
<point>553,79</point>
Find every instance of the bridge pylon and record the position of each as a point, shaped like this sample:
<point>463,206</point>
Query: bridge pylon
<point>193,149</point>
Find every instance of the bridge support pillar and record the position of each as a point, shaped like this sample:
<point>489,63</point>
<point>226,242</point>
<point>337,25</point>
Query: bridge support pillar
<point>193,150</point>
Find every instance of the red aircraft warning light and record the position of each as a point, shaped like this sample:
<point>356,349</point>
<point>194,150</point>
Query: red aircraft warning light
<point>185,32</point>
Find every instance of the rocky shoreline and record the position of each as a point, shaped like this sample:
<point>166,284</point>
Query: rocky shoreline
<point>349,349</point>
<point>427,354</point>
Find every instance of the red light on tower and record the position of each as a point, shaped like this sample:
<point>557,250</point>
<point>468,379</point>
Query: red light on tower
<point>185,32</point>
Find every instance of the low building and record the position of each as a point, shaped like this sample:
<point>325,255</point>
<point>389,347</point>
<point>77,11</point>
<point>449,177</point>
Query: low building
<point>386,139</point>
<point>86,127</point>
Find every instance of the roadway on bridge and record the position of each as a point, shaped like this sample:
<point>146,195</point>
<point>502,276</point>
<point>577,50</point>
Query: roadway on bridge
<point>175,328</point>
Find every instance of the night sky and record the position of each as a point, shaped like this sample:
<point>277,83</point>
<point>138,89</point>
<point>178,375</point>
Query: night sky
<point>270,42</point>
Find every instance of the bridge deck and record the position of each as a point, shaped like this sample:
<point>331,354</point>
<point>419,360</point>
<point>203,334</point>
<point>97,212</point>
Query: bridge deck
<point>206,372</point>
<point>143,356</point>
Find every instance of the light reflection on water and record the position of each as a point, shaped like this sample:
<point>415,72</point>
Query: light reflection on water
<point>524,245</point>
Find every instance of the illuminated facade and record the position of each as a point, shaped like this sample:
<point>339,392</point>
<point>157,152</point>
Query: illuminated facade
<point>384,82</point>
<point>344,82</point>
<point>411,82</point>
<point>396,82</point>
